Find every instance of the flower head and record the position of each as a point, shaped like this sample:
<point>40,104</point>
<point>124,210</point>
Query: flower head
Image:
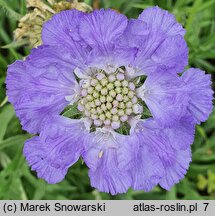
<point>39,11</point>
<point>135,115</point>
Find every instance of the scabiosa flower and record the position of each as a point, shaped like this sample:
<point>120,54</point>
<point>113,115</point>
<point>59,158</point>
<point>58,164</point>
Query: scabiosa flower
<point>135,113</point>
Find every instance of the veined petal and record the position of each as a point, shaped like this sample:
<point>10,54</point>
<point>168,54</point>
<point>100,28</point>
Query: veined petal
<point>198,87</point>
<point>38,86</point>
<point>147,169</point>
<point>161,20</point>
<point>107,155</point>
<point>181,133</point>
<point>101,28</point>
<point>164,97</point>
<point>171,55</point>
<point>59,145</point>
<point>176,163</point>
<point>108,177</point>
<point>173,161</point>
<point>62,28</point>
<point>159,40</point>
<point>135,34</point>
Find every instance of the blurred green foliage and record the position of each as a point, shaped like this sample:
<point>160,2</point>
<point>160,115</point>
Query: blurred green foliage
<point>16,179</point>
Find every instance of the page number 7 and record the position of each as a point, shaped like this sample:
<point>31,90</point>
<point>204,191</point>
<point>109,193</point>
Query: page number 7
<point>206,205</point>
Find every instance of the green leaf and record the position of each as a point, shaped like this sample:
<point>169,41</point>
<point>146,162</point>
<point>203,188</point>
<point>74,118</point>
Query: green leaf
<point>9,11</point>
<point>171,195</point>
<point>15,44</point>
<point>15,140</point>
<point>5,116</point>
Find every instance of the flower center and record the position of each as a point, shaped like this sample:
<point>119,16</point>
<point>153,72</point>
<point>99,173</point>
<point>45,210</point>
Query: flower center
<point>108,100</point>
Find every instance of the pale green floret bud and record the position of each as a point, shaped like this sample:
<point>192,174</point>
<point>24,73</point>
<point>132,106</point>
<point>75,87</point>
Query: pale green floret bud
<point>98,87</point>
<point>129,104</point>
<point>125,90</point>
<point>97,122</point>
<point>130,94</point>
<point>114,111</point>
<point>112,93</point>
<point>137,109</point>
<point>109,98</point>
<point>90,90</point>
<point>94,82</point>
<point>97,102</point>
<point>115,117</point>
<point>126,98</point>
<point>108,105</point>
<point>87,113</point>
<point>124,118</point>
<point>84,92</point>
<point>112,78</point>
<point>95,94</point>
<point>100,76</point>
<point>99,110</point>
<point>89,97</point>
<point>108,114</point>
<point>103,107</point>
<point>82,101</point>
<point>119,97</point>
<point>120,76</point>
<point>110,86</point>
<point>118,90</point>
<point>124,83</point>
<point>92,104</point>
<point>87,106</point>
<point>115,103</point>
<point>128,111</point>
<point>102,117</point>
<point>104,82</point>
<point>121,112</point>
<point>94,111</point>
<point>107,122</point>
<point>117,83</point>
<point>80,107</point>
<point>134,100</point>
<point>104,91</point>
<point>85,84</point>
<point>131,86</point>
<point>94,116</point>
<point>122,105</point>
<point>102,99</point>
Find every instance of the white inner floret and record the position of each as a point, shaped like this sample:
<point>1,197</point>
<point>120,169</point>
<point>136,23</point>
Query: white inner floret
<point>108,99</point>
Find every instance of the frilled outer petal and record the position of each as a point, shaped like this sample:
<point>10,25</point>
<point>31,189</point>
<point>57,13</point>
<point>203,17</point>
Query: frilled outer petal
<point>181,133</point>
<point>63,28</point>
<point>37,87</point>
<point>174,162</point>
<point>161,20</point>
<point>164,96</point>
<point>160,42</point>
<point>109,156</point>
<point>198,87</point>
<point>147,169</point>
<point>59,145</point>
<point>101,30</point>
